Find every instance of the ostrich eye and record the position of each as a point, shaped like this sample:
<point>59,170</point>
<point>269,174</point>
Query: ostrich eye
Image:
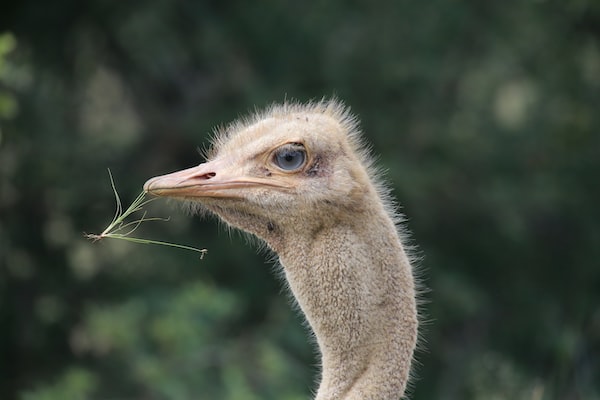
<point>290,157</point>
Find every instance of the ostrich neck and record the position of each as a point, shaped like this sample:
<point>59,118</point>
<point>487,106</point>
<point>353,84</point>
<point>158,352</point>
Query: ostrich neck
<point>354,283</point>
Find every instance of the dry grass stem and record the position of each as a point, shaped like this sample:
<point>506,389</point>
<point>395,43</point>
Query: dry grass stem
<point>121,229</point>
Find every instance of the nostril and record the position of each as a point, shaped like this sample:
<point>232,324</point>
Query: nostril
<point>206,176</point>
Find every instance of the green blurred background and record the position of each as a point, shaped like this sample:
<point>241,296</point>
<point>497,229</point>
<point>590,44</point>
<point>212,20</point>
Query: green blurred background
<point>485,115</point>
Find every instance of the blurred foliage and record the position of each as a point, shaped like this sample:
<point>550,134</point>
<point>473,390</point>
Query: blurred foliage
<point>8,102</point>
<point>485,115</point>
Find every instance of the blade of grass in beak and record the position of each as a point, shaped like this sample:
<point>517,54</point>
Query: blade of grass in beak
<point>118,223</point>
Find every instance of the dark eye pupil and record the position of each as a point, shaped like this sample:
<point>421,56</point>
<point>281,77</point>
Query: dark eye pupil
<point>290,159</point>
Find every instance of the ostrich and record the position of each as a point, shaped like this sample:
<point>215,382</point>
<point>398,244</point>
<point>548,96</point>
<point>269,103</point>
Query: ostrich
<point>299,177</point>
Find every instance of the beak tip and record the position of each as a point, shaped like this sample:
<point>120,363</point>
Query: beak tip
<point>148,185</point>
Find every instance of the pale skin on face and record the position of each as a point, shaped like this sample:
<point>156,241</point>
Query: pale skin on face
<point>331,223</point>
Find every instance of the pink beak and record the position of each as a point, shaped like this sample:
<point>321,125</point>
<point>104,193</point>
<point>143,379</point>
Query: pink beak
<point>217,178</point>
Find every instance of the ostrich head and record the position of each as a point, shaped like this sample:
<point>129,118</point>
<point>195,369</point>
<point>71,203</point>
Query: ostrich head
<point>291,168</point>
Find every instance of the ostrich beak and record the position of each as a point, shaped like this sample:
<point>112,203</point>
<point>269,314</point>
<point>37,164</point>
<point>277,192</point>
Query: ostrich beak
<point>217,178</point>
